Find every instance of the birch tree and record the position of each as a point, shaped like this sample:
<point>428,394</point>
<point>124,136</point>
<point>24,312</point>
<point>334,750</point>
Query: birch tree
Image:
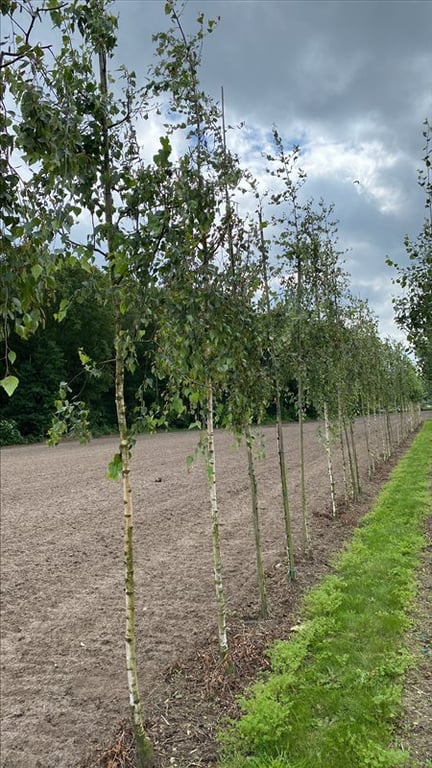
<point>309,273</point>
<point>413,308</point>
<point>79,142</point>
<point>200,324</point>
<point>327,292</point>
<point>28,258</point>
<point>248,387</point>
<point>248,393</point>
<point>276,345</point>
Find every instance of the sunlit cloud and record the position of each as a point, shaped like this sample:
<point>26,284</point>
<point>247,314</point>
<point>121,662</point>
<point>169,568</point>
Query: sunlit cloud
<point>367,165</point>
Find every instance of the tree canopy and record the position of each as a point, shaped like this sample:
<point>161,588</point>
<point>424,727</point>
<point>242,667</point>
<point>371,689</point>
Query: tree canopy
<point>413,309</point>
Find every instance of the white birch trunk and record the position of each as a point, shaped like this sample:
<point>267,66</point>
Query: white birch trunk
<point>256,525</point>
<point>347,486</point>
<point>377,434</point>
<point>217,559</point>
<point>306,542</point>
<point>286,509</point>
<point>364,416</point>
<point>389,432</point>
<point>385,449</point>
<point>350,462</point>
<point>144,750</point>
<point>355,461</point>
<point>329,460</point>
<point>366,425</point>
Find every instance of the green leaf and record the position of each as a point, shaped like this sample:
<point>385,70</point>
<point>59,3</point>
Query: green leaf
<point>177,405</point>
<point>194,399</point>
<point>115,468</point>
<point>195,425</point>
<point>36,271</point>
<point>9,384</point>
<point>11,356</point>
<point>61,314</point>
<point>20,330</point>
<point>84,358</point>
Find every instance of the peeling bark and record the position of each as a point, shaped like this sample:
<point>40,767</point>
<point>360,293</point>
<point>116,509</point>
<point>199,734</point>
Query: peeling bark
<point>306,541</point>
<point>289,547</point>
<point>144,750</point>
<point>256,525</point>
<point>329,460</point>
<point>217,559</point>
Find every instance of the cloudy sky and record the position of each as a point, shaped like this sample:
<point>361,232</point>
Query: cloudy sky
<point>350,81</point>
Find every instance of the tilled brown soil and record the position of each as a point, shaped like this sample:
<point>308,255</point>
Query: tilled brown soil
<point>62,669</point>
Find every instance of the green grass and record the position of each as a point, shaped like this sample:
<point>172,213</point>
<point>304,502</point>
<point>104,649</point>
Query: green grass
<point>335,689</point>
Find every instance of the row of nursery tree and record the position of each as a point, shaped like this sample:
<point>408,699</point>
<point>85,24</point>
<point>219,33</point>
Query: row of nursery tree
<point>171,289</point>
<point>76,355</point>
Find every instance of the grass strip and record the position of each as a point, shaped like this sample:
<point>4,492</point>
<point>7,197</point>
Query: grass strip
<point>335,688</point>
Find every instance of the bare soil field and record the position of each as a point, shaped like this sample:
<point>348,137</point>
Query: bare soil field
<point>63,681</point>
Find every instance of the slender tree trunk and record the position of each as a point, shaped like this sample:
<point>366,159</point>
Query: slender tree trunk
<point>256,524</point>
<point>217,560</point>
<point>144,750</point>
<point>291,573</point>
<point>377,433</point>
<point>369,437</point>
<point>384,437</point>
<point>280,441</point>
<point>350,462</point>
<point>247,430</point>
<point>402,422</point>
<point>407,418</point>
<point>355,459</point>
<point>348,491</point>
<point>417,415</point>
<point>306,542</point>
<point>368,450</point>
<point>411,418</point>
<point>329,460</point>
<point>389,432</point>
<point>401,428</point>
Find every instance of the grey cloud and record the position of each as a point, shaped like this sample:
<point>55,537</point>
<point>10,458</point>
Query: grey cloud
<point>342,72</point>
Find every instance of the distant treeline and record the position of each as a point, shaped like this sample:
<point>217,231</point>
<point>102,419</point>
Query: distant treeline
<point>51,356</point>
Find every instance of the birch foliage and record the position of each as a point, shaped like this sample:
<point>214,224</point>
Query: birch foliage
<point>200,325</point>
<point>413,308</point>
<point>79,142</point>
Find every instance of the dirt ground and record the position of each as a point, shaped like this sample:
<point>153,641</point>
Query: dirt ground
<point>63,681</point>
<point>414,729</point>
